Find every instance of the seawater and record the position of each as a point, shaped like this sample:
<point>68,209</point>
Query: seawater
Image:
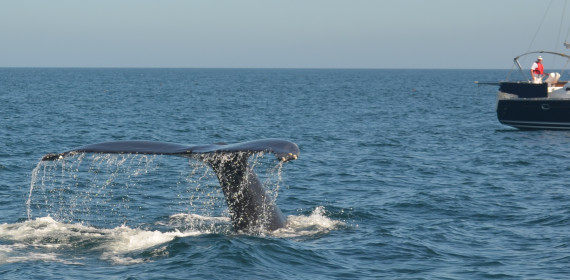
<point>403,174</point>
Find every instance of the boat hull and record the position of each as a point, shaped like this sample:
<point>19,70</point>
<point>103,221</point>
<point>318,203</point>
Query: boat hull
<point>536,113</point>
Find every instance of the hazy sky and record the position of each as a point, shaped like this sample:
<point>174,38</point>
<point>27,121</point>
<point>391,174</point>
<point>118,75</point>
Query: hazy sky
<point>276,34</point>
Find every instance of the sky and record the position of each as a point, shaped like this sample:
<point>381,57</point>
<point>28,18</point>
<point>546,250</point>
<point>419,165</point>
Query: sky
<point>440,34</point>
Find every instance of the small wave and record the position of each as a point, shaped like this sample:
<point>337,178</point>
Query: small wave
<point>317,223</point>
<point>196,217</point>
<point>198,223</point>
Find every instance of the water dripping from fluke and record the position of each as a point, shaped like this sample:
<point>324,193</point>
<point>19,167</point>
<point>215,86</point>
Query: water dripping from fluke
<point>251,208</point>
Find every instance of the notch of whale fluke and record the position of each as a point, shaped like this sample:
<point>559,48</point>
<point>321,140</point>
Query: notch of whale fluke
<point>250,208</point>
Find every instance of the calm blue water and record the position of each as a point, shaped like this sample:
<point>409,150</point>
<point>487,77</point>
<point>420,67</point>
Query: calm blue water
<point>403,174</point>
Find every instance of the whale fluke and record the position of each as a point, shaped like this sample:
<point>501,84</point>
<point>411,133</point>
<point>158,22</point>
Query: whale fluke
<point>251,209</point>
<point>283,150</point>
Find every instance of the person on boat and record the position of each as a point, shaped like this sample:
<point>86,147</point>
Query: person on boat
<point>537,71</point>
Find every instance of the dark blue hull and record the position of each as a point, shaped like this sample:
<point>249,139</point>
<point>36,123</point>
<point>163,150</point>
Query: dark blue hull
<point>535,113</point>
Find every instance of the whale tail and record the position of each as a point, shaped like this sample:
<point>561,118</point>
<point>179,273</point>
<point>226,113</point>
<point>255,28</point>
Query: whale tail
<point>250,208</point>
<point>249,205</point>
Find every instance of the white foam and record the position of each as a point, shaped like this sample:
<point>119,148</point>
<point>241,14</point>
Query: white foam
<point>35,240</point>
<point>124,239</point>
<point>315,224</point>
<point>31,239</point>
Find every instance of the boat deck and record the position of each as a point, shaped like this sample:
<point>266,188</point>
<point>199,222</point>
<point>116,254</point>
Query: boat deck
<point>526,91</point>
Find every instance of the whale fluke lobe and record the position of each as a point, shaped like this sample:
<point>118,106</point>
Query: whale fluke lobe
<point>251,209</point>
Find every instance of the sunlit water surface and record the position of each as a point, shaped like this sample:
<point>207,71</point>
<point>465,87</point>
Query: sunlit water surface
<point>403,174</point>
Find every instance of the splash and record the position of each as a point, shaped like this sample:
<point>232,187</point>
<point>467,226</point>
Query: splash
<point>316,224</point>
<point>127,208</point>
<point>44,239</point>
<point>109,190</point>
<point>195,222</point>
<point>80,190</point>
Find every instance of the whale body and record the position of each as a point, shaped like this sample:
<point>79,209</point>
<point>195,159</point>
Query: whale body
<point>250,208</point>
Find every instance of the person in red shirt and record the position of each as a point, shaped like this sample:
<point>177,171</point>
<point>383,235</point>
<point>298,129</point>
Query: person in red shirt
<point>537,71</point>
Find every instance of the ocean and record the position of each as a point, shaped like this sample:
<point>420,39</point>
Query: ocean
<point>402,174</point>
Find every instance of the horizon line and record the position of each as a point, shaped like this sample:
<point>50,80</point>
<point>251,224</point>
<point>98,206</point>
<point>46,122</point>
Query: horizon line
<point>240,68</point>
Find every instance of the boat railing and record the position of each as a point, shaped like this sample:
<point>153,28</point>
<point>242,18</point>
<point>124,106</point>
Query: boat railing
<point>519,66</point>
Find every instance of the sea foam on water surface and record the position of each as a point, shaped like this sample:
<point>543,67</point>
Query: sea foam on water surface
<point>47,235</point>
<point>314,224</point>
<point>45,239</point>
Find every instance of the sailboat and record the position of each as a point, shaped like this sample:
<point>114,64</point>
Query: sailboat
<point>535,103</point>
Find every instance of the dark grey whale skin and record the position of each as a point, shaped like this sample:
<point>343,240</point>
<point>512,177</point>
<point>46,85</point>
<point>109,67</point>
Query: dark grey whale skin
<point>251,209</point>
